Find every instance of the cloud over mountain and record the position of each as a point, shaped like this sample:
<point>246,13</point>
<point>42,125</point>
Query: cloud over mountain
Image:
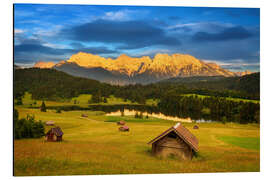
<point>231,33</point>
<point>129,34</point>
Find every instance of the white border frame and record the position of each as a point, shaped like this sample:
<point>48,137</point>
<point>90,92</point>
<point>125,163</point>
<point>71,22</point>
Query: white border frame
<point>7,84</point>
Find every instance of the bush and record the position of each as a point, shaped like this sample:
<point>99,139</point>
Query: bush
<point>224,120</point>
<point>19,101</point>
<point>58,110</point>
<point>27,128</point>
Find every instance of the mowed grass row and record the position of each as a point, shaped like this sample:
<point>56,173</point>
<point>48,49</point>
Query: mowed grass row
<point>92,146</point>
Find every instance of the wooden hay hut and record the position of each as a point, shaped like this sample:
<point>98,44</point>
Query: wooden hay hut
<point>121,123</point>
<point>54,134</point>
<point>50,123</point>
<point>176,141</point>
<point>124,128</point>
<point>195,127</point>
<point>84,115</point>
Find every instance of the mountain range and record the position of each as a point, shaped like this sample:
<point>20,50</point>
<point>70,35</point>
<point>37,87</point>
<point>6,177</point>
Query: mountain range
<point>130,70</point>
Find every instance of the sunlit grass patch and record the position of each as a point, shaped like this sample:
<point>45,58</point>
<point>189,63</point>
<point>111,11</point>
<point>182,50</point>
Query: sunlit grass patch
<point>153,102</point>
<point>81,99</point>
<point>244,142</point>
<point>133,119</point>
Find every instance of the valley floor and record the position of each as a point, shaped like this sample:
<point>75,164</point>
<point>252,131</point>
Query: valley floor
<point>93,146</point>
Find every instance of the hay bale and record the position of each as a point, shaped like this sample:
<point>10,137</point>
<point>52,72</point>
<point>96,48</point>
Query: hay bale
<point>49,123</point>
<point>124,128</point>
<point>195,127</point>
<point>121,123</point>
<point>84,115</point>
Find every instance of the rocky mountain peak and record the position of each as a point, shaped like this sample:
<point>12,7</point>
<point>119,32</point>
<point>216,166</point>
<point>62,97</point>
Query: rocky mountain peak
<point>138,69</point>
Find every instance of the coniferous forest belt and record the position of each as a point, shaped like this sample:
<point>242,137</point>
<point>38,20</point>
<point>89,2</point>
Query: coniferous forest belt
<point>50,84</point>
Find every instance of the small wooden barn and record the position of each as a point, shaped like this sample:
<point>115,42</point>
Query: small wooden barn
<point>121,123</point>
<point>176,141</point>
<point>54,134</point>
<point>124,128</point>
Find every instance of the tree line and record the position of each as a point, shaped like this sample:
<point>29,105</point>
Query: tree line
<point>210,108</point>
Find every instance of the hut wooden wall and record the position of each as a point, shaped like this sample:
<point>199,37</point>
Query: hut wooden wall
<point>50,137</point>
<point>172,145</point>
<point>59,138</point>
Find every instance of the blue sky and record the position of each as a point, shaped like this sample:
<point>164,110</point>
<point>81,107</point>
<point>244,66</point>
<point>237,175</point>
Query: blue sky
<point>227,36</point>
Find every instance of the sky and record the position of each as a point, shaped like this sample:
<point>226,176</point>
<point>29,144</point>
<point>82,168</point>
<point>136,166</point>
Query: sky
<point>229,37</point>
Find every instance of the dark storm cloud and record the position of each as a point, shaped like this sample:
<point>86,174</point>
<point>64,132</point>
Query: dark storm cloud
<point>242,12</point>
<point>232,33</point>
<point>246,50</point>
<point>174,18</point>
<point>130,34</point>
<point>37,50</point>
<point>96,50</point>
<point>182,29</point>
<point>77,45</point>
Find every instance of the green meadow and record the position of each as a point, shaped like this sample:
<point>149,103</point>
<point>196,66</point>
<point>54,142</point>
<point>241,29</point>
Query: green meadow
<point>94,145</point>
<point>81,100</point>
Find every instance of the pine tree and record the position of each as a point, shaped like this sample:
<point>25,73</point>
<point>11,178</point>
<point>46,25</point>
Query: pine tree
<point>136,115</point>
<point>96,98</point>
<point>43,107</point>
<point>141,115</point>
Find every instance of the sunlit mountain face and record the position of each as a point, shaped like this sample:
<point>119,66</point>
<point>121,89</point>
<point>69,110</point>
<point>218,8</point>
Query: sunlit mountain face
<point>144,70</point>
<point>137,42</point>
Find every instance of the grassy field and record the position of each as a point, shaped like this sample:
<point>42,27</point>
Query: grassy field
<point>227,98</point>
<point>81,100</point>
<point>94,145</point>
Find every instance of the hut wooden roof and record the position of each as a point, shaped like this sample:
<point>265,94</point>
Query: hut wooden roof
<point>56,131</point>
<point>183,133</point>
